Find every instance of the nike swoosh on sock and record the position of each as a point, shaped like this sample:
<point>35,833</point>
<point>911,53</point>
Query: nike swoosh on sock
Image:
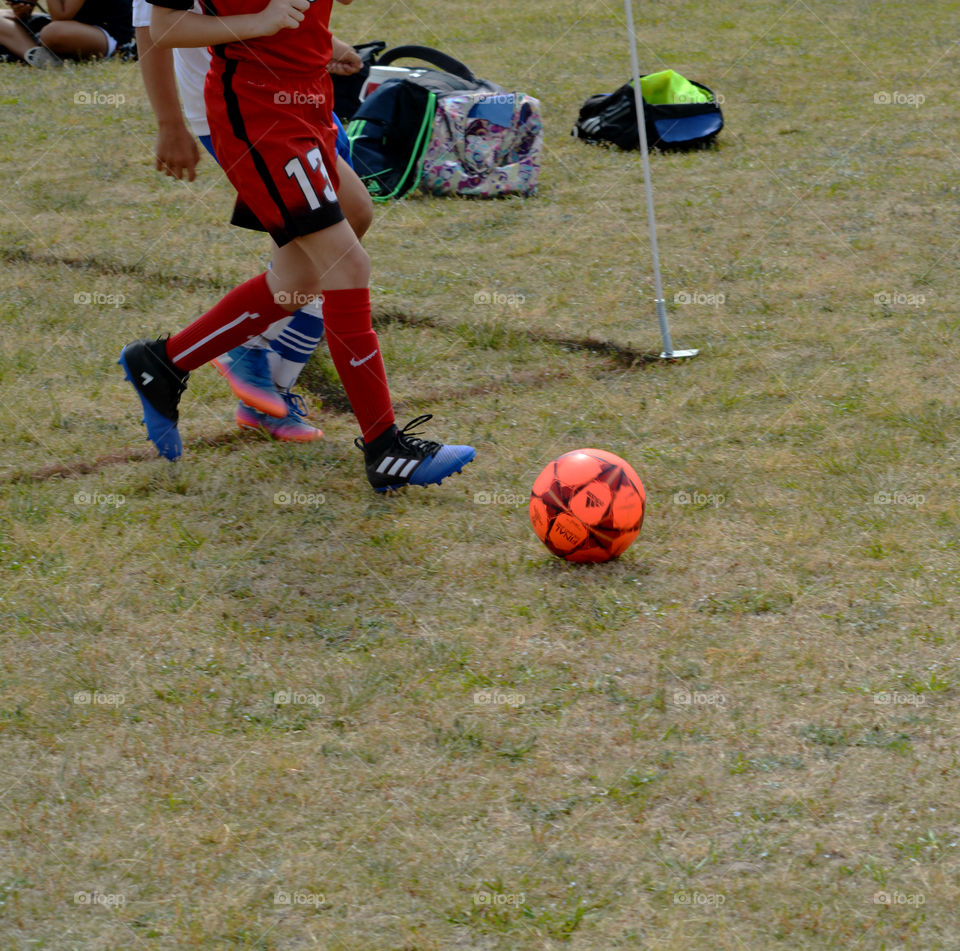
<point>359,363</point>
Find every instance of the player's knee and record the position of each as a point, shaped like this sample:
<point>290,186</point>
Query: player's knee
<point>355,267</point>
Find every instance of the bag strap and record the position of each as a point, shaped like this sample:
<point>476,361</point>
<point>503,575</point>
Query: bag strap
<point>374,47</point>
<point>431,56</point>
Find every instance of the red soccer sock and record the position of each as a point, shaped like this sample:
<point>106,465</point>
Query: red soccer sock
<point>246,311</point>
<point>355,351</point>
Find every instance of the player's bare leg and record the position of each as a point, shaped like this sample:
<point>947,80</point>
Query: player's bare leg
<point>267,367</point>
<point>332,262</point>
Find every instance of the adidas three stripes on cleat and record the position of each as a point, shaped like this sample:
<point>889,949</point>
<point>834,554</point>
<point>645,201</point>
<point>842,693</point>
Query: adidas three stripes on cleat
<point>409,460</point>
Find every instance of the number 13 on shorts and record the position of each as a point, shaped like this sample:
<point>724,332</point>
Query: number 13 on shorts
<point>294,169</point>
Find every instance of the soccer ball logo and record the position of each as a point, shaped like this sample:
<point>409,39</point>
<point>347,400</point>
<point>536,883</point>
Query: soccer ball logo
<point>587,506</point>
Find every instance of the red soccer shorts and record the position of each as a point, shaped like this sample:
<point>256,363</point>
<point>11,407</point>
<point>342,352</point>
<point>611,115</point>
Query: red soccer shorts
<point>277,143</point>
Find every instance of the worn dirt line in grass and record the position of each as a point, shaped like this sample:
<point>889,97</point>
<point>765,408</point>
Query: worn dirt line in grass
<point>334,401</point>
<point>69,470</point>
<point>113,268</point>
<point>625,356</point>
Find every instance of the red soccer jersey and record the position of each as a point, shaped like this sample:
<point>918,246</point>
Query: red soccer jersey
<point>299,52</point>
<point>269,101</point>
<point>305,50</point>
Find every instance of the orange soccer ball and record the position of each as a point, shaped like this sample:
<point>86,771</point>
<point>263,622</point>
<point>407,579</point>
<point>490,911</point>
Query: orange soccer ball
<point>587,506</point>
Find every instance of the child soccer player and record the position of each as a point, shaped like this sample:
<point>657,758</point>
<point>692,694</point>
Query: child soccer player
<point>269,99</point>
<point>263,371</point>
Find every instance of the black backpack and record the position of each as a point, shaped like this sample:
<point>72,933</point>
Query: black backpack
<point>391,130</point>
<point>612,118</point>
<point>346,89</point>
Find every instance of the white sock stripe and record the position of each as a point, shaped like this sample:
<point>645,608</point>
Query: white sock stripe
<point>409,468</point>
<point>297,347</point>
<point>383,465</point>
<point>215,334</point>
<point>299,336</point>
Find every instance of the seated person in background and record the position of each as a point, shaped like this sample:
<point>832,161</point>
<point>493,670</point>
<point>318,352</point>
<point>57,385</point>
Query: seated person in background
<point>19,27</point>
<point>75,29</point>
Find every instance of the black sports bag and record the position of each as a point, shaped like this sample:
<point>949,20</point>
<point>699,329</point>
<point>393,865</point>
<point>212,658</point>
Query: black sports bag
<point>612,118</point>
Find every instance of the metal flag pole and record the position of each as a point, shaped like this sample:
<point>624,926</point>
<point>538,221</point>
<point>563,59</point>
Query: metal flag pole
<point>668,352</point>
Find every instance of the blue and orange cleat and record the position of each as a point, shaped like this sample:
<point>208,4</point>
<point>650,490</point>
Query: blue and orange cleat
<point>292,428</point>
<point>247,370</point>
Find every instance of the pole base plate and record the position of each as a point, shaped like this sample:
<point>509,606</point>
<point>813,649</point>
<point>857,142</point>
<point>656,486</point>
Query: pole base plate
<point>678,354</point>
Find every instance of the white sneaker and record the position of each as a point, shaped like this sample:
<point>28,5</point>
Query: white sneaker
<point>42,58</point>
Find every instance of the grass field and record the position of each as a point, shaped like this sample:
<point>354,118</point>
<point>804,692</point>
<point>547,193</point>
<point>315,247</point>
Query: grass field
<point>247,704</point>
